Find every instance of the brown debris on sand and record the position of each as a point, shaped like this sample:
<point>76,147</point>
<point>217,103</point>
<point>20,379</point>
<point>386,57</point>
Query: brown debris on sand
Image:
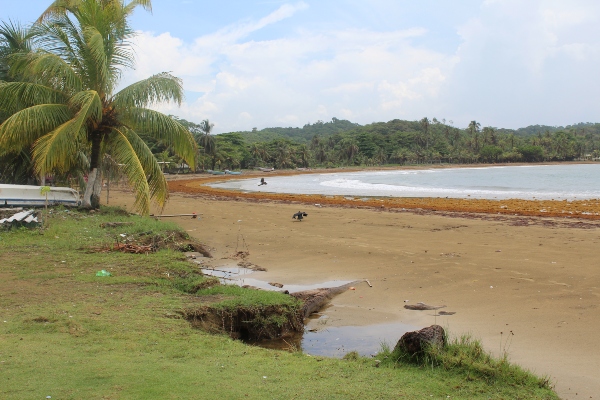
<point>114,224</point>
<point>422,306</point>
<point>249,265</point>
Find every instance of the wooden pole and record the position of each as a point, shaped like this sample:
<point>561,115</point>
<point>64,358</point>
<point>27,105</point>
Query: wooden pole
<point>194,215</point>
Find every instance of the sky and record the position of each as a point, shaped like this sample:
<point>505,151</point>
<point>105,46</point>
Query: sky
<point>256,64</point>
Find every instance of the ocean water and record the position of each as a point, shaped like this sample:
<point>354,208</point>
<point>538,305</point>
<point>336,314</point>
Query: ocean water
<point>559,182</point>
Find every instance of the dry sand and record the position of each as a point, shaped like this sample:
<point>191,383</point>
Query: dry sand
<point>536,278</point>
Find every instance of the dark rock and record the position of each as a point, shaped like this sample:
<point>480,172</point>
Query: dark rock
<point>415,342</point>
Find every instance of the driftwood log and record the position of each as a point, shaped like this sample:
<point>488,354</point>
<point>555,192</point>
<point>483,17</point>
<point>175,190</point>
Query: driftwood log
<point>422,306</point>
<point>313,300</point>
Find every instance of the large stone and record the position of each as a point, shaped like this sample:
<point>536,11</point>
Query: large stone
<point>415,342</point>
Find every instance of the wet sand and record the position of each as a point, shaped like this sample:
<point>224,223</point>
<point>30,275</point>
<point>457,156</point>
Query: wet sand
<point>537,278</point>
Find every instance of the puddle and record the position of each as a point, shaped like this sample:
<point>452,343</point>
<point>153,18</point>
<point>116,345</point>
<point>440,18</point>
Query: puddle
<point>238,276</point>
<point>338,341</point>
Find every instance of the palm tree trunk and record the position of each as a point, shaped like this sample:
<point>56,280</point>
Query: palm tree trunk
<point>91,198</point>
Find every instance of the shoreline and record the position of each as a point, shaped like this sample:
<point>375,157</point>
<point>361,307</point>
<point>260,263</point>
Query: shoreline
<point>588,209</point>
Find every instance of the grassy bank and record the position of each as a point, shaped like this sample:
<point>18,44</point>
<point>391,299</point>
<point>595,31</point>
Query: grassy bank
<point>66,333</point>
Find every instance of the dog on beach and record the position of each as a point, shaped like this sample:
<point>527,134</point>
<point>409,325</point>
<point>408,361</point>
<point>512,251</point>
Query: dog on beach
<point>299,215</point>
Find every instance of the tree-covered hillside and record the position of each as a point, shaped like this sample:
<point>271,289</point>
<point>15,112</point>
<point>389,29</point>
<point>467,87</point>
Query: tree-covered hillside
<point>343,143</point>
<point>300,135</point>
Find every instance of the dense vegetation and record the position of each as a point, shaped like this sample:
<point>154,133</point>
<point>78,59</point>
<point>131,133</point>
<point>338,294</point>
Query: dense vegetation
<point>343,143</point>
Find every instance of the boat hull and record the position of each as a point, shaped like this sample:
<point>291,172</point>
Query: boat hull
<point>31,196</point>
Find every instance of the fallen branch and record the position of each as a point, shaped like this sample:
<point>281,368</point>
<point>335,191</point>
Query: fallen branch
<point>194,215</point>
<point>133,248</point>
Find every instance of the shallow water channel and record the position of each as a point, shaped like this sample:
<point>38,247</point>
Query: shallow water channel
<point>318,338</point>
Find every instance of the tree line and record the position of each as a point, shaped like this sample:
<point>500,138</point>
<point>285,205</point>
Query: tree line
<point>339,143</point>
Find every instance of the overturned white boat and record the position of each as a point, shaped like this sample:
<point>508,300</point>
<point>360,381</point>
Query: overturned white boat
<point>28,195</point>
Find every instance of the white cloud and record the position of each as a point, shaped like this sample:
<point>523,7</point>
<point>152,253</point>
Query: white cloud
<point>525,63</point>
<point>517,64</point>
<point>361,74</point>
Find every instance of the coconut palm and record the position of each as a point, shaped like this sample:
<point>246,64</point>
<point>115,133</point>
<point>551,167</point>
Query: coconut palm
<point>380,156</point>
<point>15,166</point>
<point>349,149</point>
<point>206,141</point>
<point>473,128</point>
<point>67,104</point>
<point>425,123</point>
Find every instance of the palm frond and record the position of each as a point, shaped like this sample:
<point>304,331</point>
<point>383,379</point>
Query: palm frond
<point>47,69</point>
<point>56,149</point>
<point>15,96</point>
<point>95,45</point>
<point>58,7</point>
<point>165,128</point>
<point>140,167</point>
<point>89,105</point>
<point>24,127</point>
<point>159,190</point>
<point>145,4</point>
<point>162,87</point>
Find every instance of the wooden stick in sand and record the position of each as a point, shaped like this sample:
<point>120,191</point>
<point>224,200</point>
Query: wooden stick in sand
<point>194,215</point>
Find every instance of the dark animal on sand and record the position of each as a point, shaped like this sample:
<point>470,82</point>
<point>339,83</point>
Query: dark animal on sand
<point>300,215</point>
<point>262,182</point>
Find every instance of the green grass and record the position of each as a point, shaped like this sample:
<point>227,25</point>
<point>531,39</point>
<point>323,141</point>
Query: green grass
<point>71,335</point>
<point>466,357</point>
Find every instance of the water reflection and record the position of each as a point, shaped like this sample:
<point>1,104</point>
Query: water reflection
<point>340,340</point>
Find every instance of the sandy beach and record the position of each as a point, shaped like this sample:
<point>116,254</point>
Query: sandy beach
<point>535,279</point>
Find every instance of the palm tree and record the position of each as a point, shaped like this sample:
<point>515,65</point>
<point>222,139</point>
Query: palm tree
<point>425,129</point>
<point>315,142</point>
<point>259,151</point>
<point>15,166</point>
<point>380,156</point>
<point>303,155</point>
<point>283,155</point>
<point>473,128</point>
<point>349,149</point>
<point>321,153</point>
<point>66,103</point>
<point>207,141</point>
